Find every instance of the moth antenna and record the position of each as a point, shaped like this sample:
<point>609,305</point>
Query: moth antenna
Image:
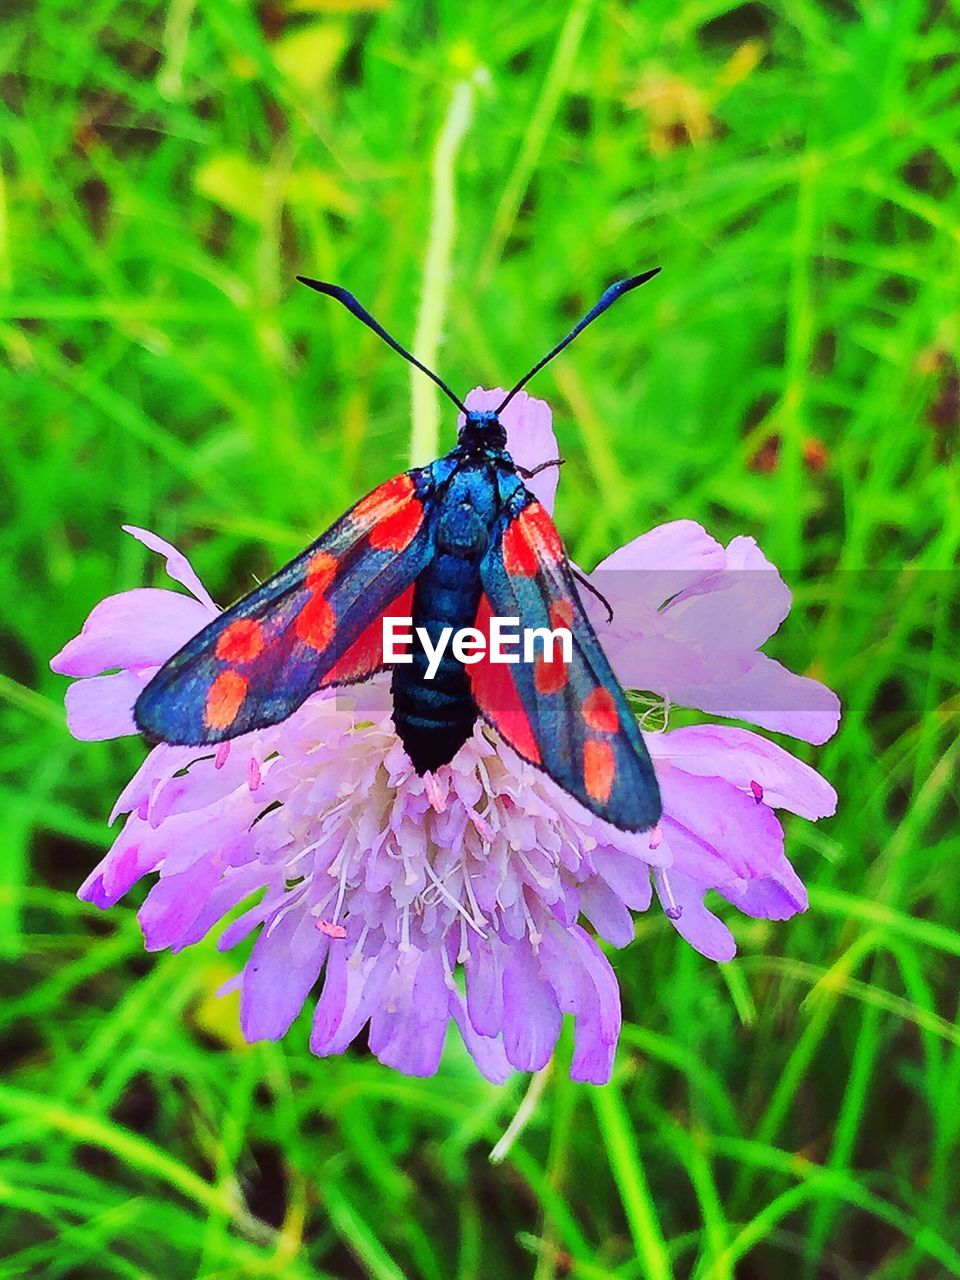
<point>354,307</point>
<point>607,299</point>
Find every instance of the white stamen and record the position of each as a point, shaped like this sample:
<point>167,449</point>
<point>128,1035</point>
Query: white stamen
<point>535,936</point>
<point>303,852</point>
<point>294,901</point>
<point>448,977</point>
<point>544,880</point>
<point>478,916</point>
<point>448,896</point>
<point>405,931</point>
<point>671,908</point>
<point>343,888</point>
<point>356,955</point>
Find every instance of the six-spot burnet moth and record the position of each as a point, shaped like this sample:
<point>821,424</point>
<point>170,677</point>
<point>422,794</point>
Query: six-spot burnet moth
<point>450,545</point>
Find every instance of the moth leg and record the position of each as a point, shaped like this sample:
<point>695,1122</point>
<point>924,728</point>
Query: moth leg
<point>593,590</point>
<point>526,473</point>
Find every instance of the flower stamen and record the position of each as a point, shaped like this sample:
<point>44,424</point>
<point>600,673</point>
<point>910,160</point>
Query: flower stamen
<point>404,931</point>
<point>535,936</point>
<point>671,908</point>
<point>479,918</point>
<point>344,871</point>
<point>448,896</point>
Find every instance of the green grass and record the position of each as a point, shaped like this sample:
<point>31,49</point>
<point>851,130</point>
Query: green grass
<point>793,166</point>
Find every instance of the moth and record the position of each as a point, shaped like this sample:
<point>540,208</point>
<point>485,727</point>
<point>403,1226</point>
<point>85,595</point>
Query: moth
<point>451,544</point>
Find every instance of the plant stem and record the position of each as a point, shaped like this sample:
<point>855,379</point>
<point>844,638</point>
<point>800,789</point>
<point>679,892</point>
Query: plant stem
<point>425,433</point>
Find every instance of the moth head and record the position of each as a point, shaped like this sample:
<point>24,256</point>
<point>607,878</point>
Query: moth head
<point>483,429</point>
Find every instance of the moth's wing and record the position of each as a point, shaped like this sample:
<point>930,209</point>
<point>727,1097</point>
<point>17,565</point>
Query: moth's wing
<point>571,719</point>
<point>316,622</point>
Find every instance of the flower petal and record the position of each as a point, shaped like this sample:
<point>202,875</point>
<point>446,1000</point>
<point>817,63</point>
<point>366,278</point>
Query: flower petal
<point>606,911</point>
<point>178,566</point>
<point>627,875</point>
<point>129,858</point>
<point>102,707</point>
<point>140,628</point>
<point>174,903</point>
<point>712,824</point>
<point>531,1017</point>
<point>737,607</point>
<point>275,983</point>
<point>743,758</point>
<point>775,897</point>
<point>408,1028</point>
<point>235,884</point>
<point>704,931</point>
<point>666,662</point>
<point>351,990</point>
<point>774,698</point>
<point>484,983</point>
<point>586,986</point>
<point>486,1051</point>
<point>657,565</point>
<point>162,763</point>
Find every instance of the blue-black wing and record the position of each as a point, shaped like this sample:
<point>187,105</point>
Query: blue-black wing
<point>571,719</point>
<point>316,622</point>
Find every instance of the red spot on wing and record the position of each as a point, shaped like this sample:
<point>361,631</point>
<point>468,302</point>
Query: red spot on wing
<point>541,530</point>
<point>530,538</point>
<point>365,655</point>
<point>224,699</point>
<point>600,711</point>
<point>321,569</point>
<point>395,532</point>
<point>561,614</point>
<point>519,558</point>
<point>550,677</point>
<point>384,500</point>
<point>241,641</point>
<point>599,770</point>
<point>316,622</point>
<point>393,512</point>
<point>496,694</point>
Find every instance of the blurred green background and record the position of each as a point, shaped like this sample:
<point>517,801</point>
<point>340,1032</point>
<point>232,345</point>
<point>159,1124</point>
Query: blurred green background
<point>477,173</point>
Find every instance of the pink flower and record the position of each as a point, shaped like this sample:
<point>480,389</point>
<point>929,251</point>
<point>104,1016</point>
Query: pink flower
<point>689,619</point>
<point>383,886</point>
